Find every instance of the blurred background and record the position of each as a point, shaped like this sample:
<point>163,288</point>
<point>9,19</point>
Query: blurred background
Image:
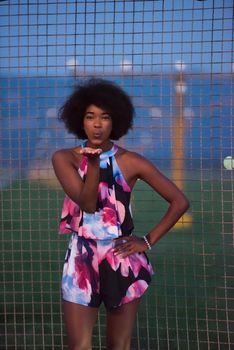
<point>175,59</point>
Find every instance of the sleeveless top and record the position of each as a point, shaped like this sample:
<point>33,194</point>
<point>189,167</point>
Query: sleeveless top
<point>113,216</point>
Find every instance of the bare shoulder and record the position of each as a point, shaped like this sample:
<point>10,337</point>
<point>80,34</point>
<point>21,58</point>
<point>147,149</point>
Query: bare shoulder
<point>68,155</point>
<point>136,167</point>
<point>133,162</point>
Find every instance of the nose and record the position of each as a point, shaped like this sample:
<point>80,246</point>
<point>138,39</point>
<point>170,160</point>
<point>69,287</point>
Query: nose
<point>97,122</point>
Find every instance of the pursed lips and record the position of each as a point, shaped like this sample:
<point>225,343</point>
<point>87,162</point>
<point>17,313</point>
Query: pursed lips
<point>97,134</point>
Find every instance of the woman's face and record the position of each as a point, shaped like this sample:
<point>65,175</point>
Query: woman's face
<point>97,126</point>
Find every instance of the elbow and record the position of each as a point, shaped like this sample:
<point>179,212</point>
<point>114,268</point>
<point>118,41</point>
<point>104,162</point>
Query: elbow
<point>90,212</point>
<point>180,204</point>
<point>87,201</point>
<point>183,204</point>
<point>87,208</point>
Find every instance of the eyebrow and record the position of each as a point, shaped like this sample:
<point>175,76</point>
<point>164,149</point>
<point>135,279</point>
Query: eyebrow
<point>90,112</point>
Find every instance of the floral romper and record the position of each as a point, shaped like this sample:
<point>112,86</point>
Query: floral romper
<point>92,274</point>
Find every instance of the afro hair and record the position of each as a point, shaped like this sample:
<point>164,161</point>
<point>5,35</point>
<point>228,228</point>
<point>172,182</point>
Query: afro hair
<point>105,95</point>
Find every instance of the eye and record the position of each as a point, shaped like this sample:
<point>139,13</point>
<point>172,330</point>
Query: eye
<point>89,116</point>
<point>106,116</point>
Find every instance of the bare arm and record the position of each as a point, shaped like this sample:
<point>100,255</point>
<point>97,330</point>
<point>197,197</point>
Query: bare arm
<point>178,203</point>
<point>84,193</point>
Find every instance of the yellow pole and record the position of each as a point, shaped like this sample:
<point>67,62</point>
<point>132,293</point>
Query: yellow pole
<point>178,134</point>
<point>178,130</point>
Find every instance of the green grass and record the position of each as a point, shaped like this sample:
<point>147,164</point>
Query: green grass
<point>190,298</point>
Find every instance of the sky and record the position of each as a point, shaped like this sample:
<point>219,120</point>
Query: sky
<point>56,37</point>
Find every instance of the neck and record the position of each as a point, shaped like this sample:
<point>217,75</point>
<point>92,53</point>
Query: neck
<point>105,146</point>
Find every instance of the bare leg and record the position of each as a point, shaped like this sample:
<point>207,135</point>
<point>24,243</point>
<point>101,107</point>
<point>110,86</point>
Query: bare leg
<point>79,321</point>
<point>120,322</point>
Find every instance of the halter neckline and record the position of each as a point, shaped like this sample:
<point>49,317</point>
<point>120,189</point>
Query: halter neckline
<point>111,152</point>
<point>106,154</point>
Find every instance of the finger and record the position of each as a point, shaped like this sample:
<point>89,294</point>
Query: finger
<point>119,241</point>
<point>90,150</point>
<point>125,250</point>
<point>96,151</point>
<point>120,249</point>
<point>127,253</point>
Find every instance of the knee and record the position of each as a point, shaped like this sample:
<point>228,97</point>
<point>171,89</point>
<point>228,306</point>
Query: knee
<point>80,346</point>
<point>118,344</point>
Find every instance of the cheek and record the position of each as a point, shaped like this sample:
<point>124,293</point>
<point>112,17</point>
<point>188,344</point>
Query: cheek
<point>85,125</point>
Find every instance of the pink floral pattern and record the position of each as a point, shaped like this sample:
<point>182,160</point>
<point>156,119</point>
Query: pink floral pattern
<point>92,273</point>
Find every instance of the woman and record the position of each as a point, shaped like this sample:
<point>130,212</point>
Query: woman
<point>105,260</point>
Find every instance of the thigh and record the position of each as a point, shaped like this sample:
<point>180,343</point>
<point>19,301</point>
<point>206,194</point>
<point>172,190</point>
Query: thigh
<point>120,322</point>
<point>79,322</point>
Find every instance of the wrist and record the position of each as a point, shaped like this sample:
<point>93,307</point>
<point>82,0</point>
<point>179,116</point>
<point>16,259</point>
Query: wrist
<point>147,242</point>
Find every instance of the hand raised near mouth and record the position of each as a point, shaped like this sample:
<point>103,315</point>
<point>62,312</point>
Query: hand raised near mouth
<point>90,152</point>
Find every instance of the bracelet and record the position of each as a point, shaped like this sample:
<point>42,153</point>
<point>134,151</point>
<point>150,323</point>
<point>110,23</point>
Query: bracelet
<point>147,242</point>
